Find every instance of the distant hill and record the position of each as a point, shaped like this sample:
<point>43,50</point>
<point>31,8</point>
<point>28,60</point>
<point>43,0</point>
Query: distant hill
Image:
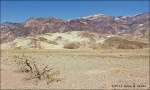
<point>74,40</point>
<point>100,24</point>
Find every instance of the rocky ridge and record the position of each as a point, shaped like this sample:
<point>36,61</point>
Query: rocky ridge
<point>136,25</point>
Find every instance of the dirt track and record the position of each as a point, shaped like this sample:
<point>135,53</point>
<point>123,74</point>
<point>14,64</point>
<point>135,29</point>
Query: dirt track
<point>82,69</point>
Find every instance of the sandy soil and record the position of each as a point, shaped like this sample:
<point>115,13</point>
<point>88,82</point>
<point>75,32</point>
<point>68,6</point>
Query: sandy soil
<point>82,69</point>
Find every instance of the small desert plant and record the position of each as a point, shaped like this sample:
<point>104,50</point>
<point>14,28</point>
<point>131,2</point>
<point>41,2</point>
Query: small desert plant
<point>34,73</point>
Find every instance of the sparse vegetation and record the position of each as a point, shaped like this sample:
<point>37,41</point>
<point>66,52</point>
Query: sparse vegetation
<point>33,72</point>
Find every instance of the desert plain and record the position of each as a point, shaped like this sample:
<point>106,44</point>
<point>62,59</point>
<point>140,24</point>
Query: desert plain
<point>80,68</point>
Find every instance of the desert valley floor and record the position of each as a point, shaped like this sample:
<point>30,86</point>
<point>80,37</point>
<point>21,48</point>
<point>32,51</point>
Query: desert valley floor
<point>81,69</point>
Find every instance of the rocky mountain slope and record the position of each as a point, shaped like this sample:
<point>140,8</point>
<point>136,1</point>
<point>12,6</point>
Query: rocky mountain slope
<point>98,23</point>
<point>74,40</point>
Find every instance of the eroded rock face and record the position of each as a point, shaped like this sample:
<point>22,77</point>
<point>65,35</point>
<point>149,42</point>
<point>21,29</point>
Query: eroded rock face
<point>99,23</point>
<point>78,40</point>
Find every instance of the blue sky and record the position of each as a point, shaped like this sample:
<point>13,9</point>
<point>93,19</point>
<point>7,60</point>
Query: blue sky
<point>19,11</point>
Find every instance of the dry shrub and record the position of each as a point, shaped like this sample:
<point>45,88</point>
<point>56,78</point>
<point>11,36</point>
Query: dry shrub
<point>33,72</point>
<point>71,46</point>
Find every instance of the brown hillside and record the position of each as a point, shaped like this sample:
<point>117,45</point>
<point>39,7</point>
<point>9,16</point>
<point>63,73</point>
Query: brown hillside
<point>119,43</point>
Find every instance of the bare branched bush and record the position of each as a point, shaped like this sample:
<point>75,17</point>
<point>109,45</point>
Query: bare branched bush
<point>33,72</point>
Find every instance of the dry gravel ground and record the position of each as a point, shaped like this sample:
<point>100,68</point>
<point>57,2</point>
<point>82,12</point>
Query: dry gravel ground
<point>82,69</point>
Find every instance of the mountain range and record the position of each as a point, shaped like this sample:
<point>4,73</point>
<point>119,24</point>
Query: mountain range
<point>98,25</point>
